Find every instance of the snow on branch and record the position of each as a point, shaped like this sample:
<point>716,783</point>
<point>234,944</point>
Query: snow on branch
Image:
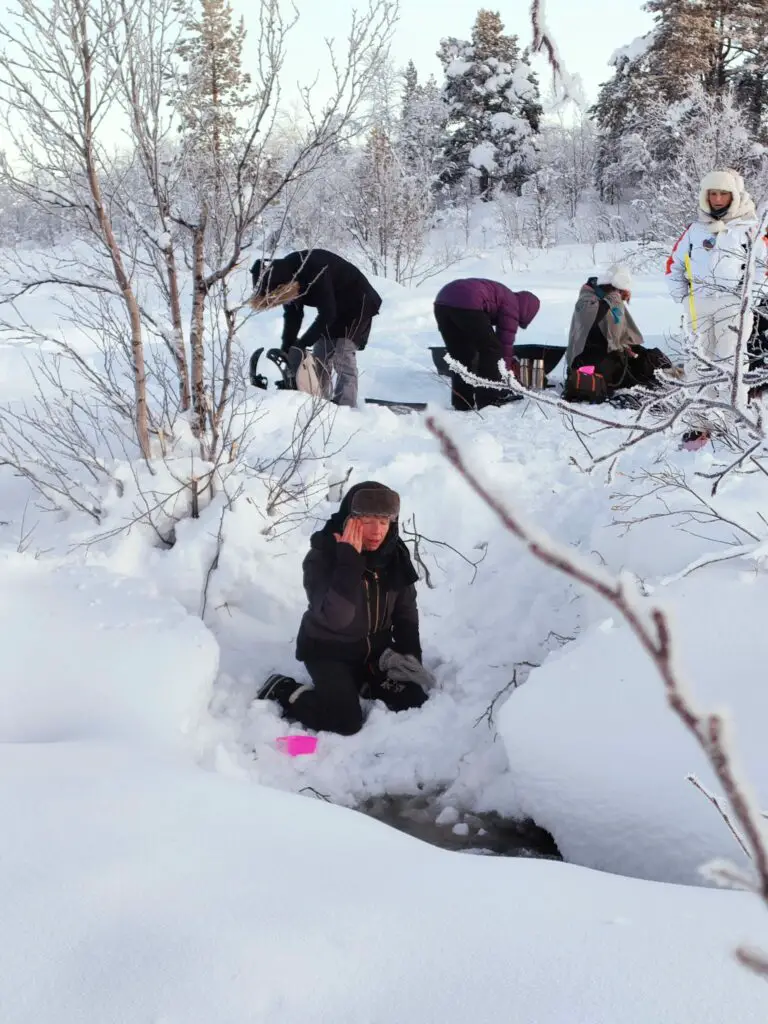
<point>543,42</point>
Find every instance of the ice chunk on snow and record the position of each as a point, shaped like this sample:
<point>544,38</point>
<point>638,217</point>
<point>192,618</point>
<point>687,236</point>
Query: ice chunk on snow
<point>448,816</point>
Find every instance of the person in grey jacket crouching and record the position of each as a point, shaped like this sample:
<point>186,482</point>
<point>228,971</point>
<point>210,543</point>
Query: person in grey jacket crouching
<point>359,637</point>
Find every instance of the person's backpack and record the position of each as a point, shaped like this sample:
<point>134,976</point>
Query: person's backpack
<point>585,384</point>
<point>308,376</point>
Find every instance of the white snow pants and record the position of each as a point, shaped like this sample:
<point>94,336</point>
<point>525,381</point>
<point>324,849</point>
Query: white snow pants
<point>716,341</point>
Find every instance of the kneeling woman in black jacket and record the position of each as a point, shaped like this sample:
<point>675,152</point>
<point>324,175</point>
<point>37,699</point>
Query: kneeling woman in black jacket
<point>360,635</point>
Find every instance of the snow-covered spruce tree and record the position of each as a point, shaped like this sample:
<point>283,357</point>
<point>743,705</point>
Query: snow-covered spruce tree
<point>751,77</point>
<point>619,118</point>
<point>212,90</point>
<point>421,131</point>
<point>683,45</point>
<point>719,45</point>
<point>493,108</point>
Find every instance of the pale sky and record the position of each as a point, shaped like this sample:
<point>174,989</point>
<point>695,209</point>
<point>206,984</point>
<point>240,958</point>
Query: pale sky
<point>586,31</point>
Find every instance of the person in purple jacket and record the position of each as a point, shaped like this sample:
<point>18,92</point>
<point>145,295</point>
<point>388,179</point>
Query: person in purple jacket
<point>478,321</point>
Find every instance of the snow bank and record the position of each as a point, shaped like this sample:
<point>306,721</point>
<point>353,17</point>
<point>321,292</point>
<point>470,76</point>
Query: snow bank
<point>142,890</point>
<point>599,760</point>
<point>88,654</point>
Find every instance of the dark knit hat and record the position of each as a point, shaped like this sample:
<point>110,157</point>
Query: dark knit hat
<point>376,501</point>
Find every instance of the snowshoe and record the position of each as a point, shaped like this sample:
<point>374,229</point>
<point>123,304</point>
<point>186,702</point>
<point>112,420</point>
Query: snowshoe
<point>258,380</point>
<point>399,408</point>
<point>504,398</point>
<point>279,358</point>
<point>626,400</point>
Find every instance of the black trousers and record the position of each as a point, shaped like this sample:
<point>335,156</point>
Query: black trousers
<point>333,705</point>
<point>471,340</point>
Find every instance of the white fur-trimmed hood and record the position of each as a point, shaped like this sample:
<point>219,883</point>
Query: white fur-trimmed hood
<point>742,207</point>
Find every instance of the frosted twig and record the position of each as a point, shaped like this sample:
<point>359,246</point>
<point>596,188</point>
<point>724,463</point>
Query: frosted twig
<point>419,537</point>
<point>513,684</point>
<point>722,811</point>
<point>722,556</point>
<point>214,563</point>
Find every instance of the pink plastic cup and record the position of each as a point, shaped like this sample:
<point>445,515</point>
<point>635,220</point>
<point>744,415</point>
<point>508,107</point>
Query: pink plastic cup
<point>294,746</point>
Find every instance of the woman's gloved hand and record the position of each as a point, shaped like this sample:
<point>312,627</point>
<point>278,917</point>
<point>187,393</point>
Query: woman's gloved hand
<point>405,668</point>
<point>513,364</point>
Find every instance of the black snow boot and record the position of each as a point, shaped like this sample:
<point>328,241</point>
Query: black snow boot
<point>280,689</point>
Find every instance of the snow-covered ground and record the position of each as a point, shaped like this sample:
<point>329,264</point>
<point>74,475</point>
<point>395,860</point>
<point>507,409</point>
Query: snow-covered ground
<point>152,869</point>
<point>139,887</point>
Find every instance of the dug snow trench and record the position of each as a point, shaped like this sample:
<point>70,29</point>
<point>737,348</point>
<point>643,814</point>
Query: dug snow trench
<point>489,612</point>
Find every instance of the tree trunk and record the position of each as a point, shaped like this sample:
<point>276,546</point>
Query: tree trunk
<point>197,327</point>
<point>226,381</point>
<point>179,351</point>
<point>141,412</point>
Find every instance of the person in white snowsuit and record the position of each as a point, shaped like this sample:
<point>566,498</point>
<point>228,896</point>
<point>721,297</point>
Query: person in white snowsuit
<point>706,270</point>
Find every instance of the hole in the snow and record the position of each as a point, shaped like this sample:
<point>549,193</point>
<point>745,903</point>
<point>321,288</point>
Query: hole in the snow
<point>465,832</point>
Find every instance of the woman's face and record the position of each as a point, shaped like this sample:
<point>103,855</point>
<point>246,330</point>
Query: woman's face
<point>375,530</point>
<point>719,200</point>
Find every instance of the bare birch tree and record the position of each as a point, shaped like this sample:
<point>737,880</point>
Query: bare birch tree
<point>55,97</point>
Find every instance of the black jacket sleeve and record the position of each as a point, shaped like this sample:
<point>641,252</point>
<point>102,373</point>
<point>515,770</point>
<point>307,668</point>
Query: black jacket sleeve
<point>333,586</point>
<point>324,298</point>
<point>405,623</point>
<point>293,314</point>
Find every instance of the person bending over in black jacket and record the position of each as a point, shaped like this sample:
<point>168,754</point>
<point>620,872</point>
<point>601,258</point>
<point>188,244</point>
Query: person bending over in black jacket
<point>360,634</point>
<point>346,303</point>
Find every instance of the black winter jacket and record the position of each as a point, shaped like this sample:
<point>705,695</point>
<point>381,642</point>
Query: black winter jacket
<point>359,604</point>
<point>343,296</point>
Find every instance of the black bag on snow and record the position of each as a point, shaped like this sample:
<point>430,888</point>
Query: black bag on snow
<point>621,371</point>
